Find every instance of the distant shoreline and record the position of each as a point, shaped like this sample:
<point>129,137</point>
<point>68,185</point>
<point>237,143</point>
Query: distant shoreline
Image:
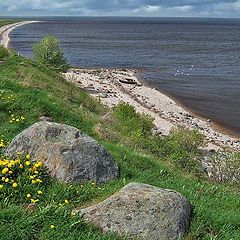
<point>5,31</point>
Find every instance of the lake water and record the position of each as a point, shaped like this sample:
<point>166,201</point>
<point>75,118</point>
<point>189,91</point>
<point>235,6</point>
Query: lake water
<point>195,61</point>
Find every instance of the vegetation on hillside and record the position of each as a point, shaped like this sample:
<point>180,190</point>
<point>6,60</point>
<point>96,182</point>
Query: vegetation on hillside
<point>29,91</point>
<point>6,22</point>
<point>49,53</point>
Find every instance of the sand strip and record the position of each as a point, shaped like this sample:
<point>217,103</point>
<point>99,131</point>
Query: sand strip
<point>5,30</point>
<point>112,86</point>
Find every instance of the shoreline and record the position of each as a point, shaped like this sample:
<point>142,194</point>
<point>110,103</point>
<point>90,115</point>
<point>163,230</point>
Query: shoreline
<point>112,86</point>
<point>7,29</point>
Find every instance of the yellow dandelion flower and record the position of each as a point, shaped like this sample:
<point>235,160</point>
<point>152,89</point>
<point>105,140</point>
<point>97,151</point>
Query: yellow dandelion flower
<point>52,226</point>
<point>66,201</point>
<point>28,156</point>
<point>34,201</point>
<point>14,185</point>
<point>39,192</point>
<point>21,166</point>
<point>1,187</point>
<point>3,178</point>
<point>33,181</point>
<point>39,180</point>
<point>28,195</point>
<point>7,180</point>
<point>5,170</point>
<point>38,164</point>
<point>27,163</point>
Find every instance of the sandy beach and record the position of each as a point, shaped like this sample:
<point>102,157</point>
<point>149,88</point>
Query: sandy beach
<point>5,30</point>
<point>112,86</point>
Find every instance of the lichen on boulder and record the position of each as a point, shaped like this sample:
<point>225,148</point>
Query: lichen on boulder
<point>141,211</point>
<point>68,154</point>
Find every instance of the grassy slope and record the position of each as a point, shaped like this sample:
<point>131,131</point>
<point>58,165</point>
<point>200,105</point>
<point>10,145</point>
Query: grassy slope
<point>5,22</point>
<point>37,92</point>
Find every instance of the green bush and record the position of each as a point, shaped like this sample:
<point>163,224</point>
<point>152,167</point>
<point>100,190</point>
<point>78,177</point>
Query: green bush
<point>49,53</point>
<point>3,52</point>
<point>133,123</point>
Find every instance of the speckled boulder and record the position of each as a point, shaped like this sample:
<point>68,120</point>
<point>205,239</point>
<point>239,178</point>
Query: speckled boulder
<point>141,211</point>
<point>68,154</point>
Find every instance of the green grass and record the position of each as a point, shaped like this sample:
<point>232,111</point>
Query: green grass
<point>36,91</point>
<point>6,22</point>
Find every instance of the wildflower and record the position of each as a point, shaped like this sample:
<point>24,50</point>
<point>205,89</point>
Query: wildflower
<point>38,164</point>
<point>10,172</point>
<point>1,186</point>
<point>28,195</point>
<point>3,178</point>
<point>34,201</point>
<point>27,163</point>
<point>66,201</point>
<point>39,192</point>
<point>7,180</point>
<point>38,180</point>
<point>28,156</point>
<point>52,226</point>
<point>5,170</point>
<point>14,185</point>
<point>33,181</point>
<point>9,165</point>
<point>21,166</point>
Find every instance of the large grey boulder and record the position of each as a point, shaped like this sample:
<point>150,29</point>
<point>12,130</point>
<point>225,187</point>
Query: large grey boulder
<point>67,153</point>
<point>141,211</point>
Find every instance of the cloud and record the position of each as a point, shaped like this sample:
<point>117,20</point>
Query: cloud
<point>161,8</point>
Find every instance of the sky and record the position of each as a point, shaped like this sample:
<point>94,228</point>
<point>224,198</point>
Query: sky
<point>142,8</point>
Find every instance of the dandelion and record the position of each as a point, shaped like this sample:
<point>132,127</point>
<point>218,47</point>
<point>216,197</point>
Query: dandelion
<point>39,192</point>
<point>7,180</point>
<point>52,226</point>
<point>5,170</point>
<point>14,185</point>
<point>3,178</point>
<point>27,163</point>
<point>66,201</point>
<point>34,201</point>
<point>1,187</point>
<point>28,195</point>
<point>28,156</point>
<point>33,181</point>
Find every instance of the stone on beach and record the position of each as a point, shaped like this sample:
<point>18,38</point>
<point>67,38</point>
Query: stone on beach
<point>68,154</point>
<point>141,211</point>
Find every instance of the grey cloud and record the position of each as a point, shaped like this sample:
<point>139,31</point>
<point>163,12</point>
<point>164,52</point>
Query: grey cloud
<point>218,8</point>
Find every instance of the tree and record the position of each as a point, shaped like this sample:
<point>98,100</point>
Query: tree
<point>49,53</point>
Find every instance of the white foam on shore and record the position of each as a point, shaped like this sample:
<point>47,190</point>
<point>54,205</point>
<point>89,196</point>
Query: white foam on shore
<point>5,30</point>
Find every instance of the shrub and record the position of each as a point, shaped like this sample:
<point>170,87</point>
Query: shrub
<point>133,122</point>
<point>3,52</point>
<point>49,53</point>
